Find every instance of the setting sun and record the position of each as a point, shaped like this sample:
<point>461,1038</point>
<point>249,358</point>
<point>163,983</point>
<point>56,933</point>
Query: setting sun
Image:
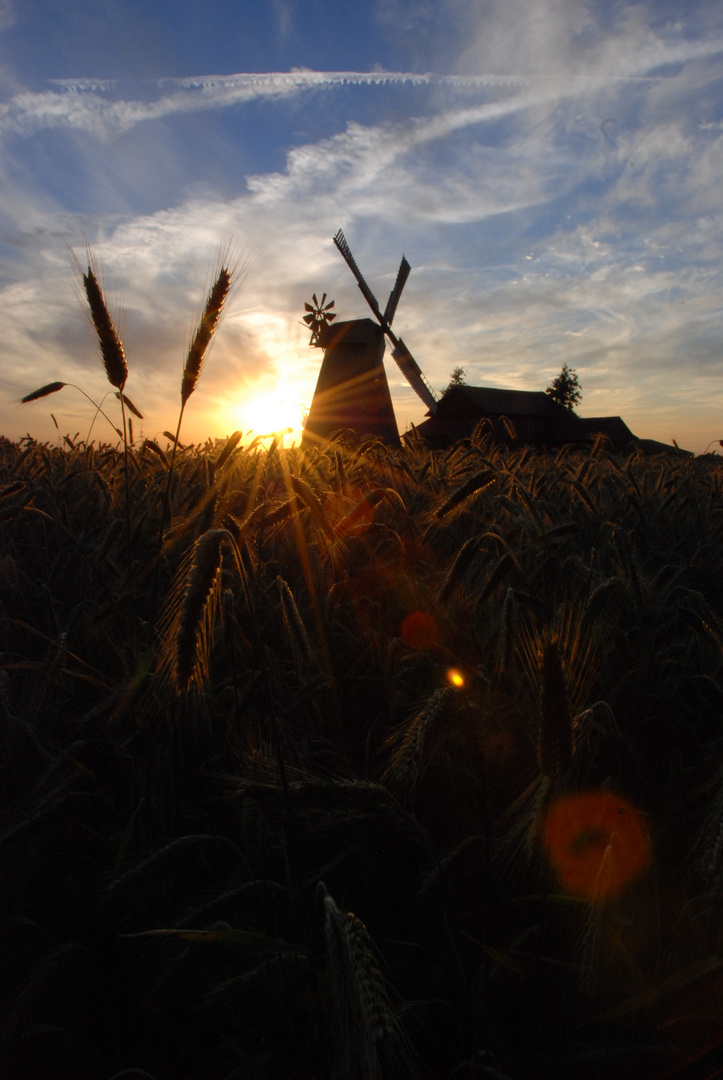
<point>267,413</point>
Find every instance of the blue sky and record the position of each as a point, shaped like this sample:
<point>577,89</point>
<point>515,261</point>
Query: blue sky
<point>551,169</point>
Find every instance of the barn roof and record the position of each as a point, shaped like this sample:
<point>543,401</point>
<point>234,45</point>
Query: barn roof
<point>502,402</point>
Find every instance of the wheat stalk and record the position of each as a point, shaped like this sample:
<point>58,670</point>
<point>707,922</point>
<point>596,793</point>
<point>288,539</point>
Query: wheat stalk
<point>200,593</point>
<point>406,765</point>
<point>54,387</point>
<point>43,391</point>
<point>152,445</point>
<point>111,349</point>
<point>204,333</point>
<point>509,612</point>
<point>197,352</point>
<point>470,487</point>
<point>555,734</point>
<point>231,444</point>
<point>294,624</point>
<point>456,572</point>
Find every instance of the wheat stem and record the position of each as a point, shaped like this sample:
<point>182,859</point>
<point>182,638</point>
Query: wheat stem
<point>555,739</point>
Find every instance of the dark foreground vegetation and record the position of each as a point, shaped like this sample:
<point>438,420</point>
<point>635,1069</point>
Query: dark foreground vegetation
<point>278,797</point>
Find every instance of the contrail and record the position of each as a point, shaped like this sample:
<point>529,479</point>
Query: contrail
<point>92,104</point>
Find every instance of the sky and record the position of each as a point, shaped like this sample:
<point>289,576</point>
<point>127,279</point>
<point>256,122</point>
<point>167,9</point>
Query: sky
<point>551,169</point>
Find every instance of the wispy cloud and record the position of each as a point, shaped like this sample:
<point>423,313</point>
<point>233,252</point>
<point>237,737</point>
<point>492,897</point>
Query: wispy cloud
<point>557,193</point>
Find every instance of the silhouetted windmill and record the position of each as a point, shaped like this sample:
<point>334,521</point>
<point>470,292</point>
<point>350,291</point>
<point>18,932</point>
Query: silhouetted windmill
<point>319,315</point>
<point>352,392</point>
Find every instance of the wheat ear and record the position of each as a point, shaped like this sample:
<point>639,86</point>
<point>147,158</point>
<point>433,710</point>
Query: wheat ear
<point>43,391</point>
<point>195,615</point>
<point>202,338</point>
<point>111,348</point>
<point>407,762</point>
<point>129,405</point>
<point>294,624</point>
<point>359,999</point>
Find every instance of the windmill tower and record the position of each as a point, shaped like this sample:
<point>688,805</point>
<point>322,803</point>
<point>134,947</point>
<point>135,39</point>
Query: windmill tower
<point>352,392</point>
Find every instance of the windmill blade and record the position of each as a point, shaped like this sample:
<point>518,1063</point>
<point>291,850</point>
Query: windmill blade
<point>412,372</point>
<point>407,364</point>
<point>402,275</point>
<point>340,241</point>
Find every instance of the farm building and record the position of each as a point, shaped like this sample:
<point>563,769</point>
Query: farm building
<point>528,416</point>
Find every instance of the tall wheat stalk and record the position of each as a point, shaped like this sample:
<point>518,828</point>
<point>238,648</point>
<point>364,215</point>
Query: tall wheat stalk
<point>197,352</point>
<point>116,369</point>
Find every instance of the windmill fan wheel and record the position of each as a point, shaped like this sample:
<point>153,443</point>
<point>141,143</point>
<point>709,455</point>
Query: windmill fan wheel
<point>318,315</point>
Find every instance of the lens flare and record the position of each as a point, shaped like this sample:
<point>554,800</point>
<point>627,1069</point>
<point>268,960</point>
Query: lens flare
<point>420,630</point>
<point>455,677</point>
<point>597,843</point>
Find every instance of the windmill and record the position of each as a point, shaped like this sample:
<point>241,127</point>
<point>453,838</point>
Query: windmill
<point>352,391</point>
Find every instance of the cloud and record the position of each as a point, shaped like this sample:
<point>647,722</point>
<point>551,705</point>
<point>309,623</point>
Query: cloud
<point>558,196</point>
<point>90,105</point>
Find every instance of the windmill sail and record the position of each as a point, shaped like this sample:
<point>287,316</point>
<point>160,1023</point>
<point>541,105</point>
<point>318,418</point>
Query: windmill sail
<point>407,364</point>
<point>390,309</point>
<point>340,241</point>
<point>412,372</point>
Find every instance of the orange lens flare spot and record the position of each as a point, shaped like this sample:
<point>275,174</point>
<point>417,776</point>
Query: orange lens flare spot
<point>597,843</point>
<point>455,677</point>
<point>420,630</point>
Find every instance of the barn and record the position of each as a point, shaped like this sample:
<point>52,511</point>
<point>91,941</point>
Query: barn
<point>525,417</point>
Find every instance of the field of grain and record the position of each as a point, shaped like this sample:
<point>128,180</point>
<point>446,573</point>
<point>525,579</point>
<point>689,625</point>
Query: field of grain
<point>359,763</point>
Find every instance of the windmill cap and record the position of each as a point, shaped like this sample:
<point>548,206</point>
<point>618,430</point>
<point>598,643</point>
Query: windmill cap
<point>355,330</point>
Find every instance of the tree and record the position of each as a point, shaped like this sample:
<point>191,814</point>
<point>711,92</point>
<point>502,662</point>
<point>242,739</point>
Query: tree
<point>457,378</point>
<point>565,388</point>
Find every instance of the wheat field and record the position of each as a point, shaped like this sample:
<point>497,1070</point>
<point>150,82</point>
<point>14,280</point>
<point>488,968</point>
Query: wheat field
<point>286,795</point>
<point>356,763</point>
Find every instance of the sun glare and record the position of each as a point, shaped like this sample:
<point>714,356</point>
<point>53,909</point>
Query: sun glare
<point>269,413</point>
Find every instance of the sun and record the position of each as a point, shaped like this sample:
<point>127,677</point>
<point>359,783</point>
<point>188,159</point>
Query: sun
<point>269,412</point>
